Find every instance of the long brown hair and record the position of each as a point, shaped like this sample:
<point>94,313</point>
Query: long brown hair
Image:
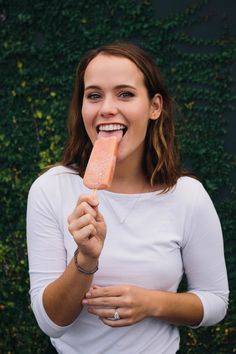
<point>161,163</point>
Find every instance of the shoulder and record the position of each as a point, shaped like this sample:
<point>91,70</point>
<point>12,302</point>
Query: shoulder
<point>190,191</point>
<point>190,184</point>
<point>57,188</point>
<point>52,174</point>
<point>58,177</point>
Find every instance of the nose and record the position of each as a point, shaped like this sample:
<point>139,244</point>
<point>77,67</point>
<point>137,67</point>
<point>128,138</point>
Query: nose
<point>108,107</point>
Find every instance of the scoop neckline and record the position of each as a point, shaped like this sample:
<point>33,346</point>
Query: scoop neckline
<point>145,195</point>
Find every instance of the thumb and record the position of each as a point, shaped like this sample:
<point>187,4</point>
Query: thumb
<point>99,216</point>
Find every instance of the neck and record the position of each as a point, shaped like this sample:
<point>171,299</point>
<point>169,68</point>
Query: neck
<point>129,178</point>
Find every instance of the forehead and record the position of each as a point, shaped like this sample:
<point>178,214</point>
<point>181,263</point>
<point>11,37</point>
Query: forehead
<point>113,68</point>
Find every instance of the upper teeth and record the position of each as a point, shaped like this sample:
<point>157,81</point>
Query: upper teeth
<point>108,127</point>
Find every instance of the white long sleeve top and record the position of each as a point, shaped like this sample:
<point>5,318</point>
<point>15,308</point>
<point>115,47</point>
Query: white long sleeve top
<point>152,240</point>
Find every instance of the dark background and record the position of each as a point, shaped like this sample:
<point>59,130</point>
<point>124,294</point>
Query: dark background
<point>41,43</point>
<point>221,14</point>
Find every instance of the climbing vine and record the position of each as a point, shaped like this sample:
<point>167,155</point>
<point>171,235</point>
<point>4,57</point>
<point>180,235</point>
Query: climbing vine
<point>41,44</point>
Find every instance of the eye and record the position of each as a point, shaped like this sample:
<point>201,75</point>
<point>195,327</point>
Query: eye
<point>93,96</point>
<point>126,94</point>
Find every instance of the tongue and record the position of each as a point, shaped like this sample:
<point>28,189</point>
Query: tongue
<point>117,133</point>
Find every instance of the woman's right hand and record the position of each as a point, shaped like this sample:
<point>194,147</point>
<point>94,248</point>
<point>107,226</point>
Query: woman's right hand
<point>87,226</point>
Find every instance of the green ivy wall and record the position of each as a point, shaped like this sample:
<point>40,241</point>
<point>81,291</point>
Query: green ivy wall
<point>41,43</point>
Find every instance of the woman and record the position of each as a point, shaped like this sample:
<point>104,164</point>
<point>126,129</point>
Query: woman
<point>105,269</point>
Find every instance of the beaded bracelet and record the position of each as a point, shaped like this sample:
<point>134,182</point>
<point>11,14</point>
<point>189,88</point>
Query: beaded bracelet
<point>80,269</point>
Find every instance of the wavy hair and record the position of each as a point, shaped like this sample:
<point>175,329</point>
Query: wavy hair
<point>161,162</point>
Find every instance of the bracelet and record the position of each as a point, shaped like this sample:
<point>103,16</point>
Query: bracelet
<point>80,269</point>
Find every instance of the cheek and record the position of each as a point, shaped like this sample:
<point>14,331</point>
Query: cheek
<point>87,114</point>
<point>139,112</point>
<point>84,111</point>
<point>141,119</point>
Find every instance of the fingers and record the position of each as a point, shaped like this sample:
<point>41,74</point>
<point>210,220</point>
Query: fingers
<point>102,301</point>
<point>127,300</point>
<point>106,315</point>
<point>89,198</point>
<point>87,204</point>
<point>82,223</point>
<point>82,228</point>
<point>103,297</point>
<point>109,291</point>
<point>107,297</point>
<point>121,323</point>
<point>87,226</point>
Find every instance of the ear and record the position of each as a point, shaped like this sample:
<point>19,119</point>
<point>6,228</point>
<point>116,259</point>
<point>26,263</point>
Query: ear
<point>156,106</point>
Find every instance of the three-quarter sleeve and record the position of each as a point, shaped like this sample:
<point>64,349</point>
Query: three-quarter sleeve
<point>46,250</point>
<point>203,259</point>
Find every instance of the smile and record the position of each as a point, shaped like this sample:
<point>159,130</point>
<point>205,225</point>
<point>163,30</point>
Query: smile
<point>109,128</point>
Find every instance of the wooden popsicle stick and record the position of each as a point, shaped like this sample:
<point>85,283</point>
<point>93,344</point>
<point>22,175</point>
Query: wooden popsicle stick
<point>94,192</point>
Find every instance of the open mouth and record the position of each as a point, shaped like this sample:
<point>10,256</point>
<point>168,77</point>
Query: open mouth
<point>111,129</point>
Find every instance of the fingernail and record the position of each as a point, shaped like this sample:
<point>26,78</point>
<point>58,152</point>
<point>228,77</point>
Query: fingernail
<point>84,302</point>
<point>95,201</point>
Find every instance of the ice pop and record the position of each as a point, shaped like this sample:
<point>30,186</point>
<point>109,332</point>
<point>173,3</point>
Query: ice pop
<point>101,165</point>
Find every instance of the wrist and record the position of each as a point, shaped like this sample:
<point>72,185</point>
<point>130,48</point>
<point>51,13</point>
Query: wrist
<point>155,304</point>
<point>84,264</point>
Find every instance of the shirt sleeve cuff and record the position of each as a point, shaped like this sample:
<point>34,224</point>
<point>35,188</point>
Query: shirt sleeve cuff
<point>45,323</point>
<point>214,307</point>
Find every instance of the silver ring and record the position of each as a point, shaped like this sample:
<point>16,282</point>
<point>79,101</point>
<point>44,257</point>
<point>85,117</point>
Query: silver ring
<point>116,315</point>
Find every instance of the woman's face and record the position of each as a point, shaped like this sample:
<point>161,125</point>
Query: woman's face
<point>116,103</point>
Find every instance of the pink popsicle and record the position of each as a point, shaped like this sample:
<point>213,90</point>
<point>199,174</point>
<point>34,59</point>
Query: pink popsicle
<point>101,165</point>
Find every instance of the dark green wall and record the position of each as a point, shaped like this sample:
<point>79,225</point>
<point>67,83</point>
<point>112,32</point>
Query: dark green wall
<point>41,43</point>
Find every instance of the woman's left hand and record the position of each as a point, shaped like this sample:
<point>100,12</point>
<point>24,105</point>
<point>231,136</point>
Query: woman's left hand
<point>129,301</point>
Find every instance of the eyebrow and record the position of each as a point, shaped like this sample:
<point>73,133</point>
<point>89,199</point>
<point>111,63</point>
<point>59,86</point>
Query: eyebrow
<point>95,87</point>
